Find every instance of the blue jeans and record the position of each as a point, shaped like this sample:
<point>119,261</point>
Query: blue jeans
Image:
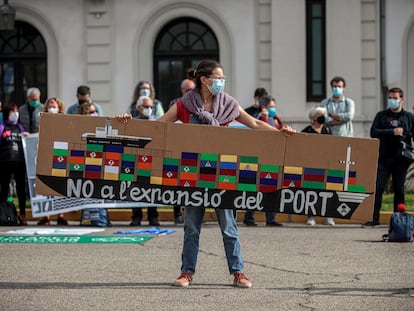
<point>192,228</point>
<point>249,216</point>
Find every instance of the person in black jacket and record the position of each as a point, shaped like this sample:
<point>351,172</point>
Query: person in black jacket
<point>255,109</point>
<point>393,127</point>
<point>12,158</point>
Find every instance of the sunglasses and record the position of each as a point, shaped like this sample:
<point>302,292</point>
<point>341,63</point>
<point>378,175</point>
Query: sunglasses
<point>91,112</point>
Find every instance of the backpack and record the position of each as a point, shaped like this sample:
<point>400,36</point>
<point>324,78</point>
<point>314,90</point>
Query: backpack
<point>401,228</point>
<point>95,217</point>
<point>8,214</point>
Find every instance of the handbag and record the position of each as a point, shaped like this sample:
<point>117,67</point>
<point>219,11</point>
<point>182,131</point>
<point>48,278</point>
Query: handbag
<point>8,214</point>
<point>406,152</point>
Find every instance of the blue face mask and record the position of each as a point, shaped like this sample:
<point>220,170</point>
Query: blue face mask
<point>272,112</point>
<point>392,103</point>
<point>337,91</point>
<point>217,87</point>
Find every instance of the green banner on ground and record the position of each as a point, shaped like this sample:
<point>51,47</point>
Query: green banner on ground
<point>74,239</point>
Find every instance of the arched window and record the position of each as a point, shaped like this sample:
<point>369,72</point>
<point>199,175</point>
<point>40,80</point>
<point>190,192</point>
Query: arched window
<point>23,63</point>
<point>181,44</point>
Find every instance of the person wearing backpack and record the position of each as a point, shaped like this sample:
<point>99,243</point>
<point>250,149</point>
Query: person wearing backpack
<point>12,158</point>
<point>393,127</point>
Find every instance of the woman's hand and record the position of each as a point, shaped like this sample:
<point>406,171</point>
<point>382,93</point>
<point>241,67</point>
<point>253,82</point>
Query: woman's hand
<point>264,113</point>
<point>123,117</point>
<point>288,130</point>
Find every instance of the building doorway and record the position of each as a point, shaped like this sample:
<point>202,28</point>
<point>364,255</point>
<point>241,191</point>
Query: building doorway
<point>181,44</point>
<point>23,63</point>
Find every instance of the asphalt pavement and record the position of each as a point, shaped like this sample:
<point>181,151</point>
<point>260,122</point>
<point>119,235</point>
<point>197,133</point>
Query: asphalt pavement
<point>295,267</point>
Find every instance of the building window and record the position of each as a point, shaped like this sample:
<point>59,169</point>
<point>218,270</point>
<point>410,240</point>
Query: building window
<point>181,44</point>
<point>23,63</point>
<point>315,50</point>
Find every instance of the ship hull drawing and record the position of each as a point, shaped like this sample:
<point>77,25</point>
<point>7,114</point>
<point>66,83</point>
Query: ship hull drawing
<point>300,201</point>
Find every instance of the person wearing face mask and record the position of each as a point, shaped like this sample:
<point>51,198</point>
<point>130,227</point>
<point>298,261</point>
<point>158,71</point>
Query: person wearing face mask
<point>89,109</point>
<point>53,105</point>
<point>144,108</point>
<point>145,88</point>
<point>12,158</point>
<point>340,109</point>
<point>255,109</point>
<point>186,86</point>
<point>144,111</point>
<point>317,118</point>
<point>30,111</point>
<point>393,127</point>
<point>152,109</point>
<point>83,95</point>
<point>208,104</point>
<point>267,107</point>
<point>267,114</point>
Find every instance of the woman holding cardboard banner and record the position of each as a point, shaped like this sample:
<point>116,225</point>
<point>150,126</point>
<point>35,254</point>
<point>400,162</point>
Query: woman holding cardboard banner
<point>209,104</point>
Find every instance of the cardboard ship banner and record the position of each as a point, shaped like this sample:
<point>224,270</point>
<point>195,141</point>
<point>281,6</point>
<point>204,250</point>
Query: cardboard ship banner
<point>55,205</point>
<point>203,166</point>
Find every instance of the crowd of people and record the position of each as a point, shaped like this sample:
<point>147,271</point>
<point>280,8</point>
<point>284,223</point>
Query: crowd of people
<point>203,101</point>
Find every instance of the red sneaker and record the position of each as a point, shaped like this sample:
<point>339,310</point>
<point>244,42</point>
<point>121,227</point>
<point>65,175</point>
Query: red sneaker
<point>241,280</point>
<point>184,280</point>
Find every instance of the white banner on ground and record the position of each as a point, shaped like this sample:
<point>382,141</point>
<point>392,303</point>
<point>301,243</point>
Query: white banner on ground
<point>52,205</point>
<point>37,231</point>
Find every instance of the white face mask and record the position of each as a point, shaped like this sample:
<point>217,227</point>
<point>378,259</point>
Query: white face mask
<point>147,112</point>
<point>14,116</point>
<point>144,92</point>
<point>53,109</point>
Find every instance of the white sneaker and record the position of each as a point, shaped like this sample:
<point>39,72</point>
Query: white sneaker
<point>329,221</point>
<point>311,221</point>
